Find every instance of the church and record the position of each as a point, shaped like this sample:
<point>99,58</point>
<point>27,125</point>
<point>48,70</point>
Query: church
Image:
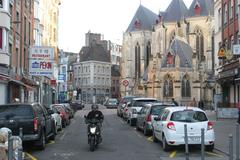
<point>170,54</point>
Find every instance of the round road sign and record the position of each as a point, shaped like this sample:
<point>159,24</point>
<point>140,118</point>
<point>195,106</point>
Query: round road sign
<point>125,82</point>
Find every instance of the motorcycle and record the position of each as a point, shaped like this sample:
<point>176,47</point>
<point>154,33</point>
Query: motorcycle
<point>94,134</point>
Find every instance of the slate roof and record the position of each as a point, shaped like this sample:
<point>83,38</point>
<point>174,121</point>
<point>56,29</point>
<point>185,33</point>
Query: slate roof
<point>181,48</point>
<point>94,52</point>
<point>207,8</point>
<point>176,11</point>
<point>146,17</point>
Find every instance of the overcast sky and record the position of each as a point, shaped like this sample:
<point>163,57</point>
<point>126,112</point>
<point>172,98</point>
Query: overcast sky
<point>107,17</point>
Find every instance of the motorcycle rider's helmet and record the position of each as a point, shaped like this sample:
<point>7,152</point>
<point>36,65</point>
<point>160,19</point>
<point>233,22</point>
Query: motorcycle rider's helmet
<point>95,107</point>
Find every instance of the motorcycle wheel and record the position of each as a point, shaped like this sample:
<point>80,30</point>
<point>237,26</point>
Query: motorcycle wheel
<point>92,144</point>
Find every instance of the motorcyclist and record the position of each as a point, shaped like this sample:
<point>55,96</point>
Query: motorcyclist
<point>95,114</point>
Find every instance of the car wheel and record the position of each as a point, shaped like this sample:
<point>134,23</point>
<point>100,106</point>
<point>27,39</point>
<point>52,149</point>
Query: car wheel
<point>154,137</point>
<point>209,147</point>
<point>42,141</point>
<point>165,145</point>
<point>131,122</point>
<point>145,132</point>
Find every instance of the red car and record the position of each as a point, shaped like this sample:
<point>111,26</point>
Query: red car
<point>63,113</point>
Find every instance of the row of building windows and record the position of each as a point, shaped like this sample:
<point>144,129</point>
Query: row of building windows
<point>97,69</point>
<point>97,81</point>
<point>229,10</point>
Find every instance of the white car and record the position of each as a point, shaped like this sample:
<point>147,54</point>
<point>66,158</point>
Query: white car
<point>169,127</point>
<point>57,118</point>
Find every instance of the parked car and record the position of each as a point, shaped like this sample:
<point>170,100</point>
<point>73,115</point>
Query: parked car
<point>122,104</point>
<point>36,122</point>
<point>64,115</point>
<point>111,103</point>
<point>68,109</point>
<point>169,127</point>
<point>148,113</point>
<point>77,105</point>
<point>57,118</point>
<point>134,107</point>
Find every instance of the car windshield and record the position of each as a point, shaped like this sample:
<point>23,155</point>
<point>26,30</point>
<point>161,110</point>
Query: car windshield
<point>189,116</point>
<point>157,109</point>
<point>15,111</point>
<point>112,101</point>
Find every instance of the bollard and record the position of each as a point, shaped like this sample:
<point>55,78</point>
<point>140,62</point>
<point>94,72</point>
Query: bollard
<point>10,146</point>
<point>21,133</point>
<point>202,144</point>
<point>237,141</point>
<point>230,147</point>
<point>186,142</point>
<point>20,150</point>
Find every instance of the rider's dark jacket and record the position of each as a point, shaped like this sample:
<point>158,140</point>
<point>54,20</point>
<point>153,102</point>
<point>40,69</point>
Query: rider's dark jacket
<point>95,114</point>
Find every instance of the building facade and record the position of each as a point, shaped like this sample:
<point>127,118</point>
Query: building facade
<point>169,55</point>
<point>228,75</point>
<point>92,75</point>
<point>4,49</point>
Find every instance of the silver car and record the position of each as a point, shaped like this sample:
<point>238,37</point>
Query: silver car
<point>148,113</point>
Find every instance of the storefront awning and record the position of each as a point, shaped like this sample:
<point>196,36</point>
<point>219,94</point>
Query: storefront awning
<point>22,84</point>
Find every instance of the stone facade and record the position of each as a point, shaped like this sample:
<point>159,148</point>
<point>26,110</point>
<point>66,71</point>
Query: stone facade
<point>173,58</point>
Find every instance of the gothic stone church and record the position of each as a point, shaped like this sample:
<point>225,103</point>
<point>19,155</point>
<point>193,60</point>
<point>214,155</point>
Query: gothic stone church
<point>169,55</point>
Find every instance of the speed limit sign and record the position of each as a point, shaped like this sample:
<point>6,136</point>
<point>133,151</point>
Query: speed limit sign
<point>125,83</point>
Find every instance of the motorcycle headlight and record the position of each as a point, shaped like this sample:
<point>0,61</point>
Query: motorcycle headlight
<point>93,130</point>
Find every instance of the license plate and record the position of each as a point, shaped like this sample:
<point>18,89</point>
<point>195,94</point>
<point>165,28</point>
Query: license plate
<point>194,139</point>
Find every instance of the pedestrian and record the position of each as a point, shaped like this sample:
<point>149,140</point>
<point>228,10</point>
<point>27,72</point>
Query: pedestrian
<point>193,103</point>
<point>173,101</point>
<point>201,104</point>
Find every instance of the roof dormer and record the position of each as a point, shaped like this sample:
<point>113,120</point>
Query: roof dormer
<point>197,8</point>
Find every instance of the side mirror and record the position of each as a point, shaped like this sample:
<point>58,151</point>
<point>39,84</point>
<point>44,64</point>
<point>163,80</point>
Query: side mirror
<point>50,111</point>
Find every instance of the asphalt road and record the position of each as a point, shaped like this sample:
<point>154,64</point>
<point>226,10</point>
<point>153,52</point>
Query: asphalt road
<point>120,142</point>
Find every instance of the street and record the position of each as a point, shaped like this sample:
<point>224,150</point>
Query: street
<point>120,141</point>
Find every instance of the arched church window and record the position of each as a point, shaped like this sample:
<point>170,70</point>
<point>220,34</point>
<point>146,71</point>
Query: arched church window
<point>148,53</point>
<point>186,88</point>
<point>172,37</point>
<point>168,87</point>
<point>137,61</point>
<point>199,44</point>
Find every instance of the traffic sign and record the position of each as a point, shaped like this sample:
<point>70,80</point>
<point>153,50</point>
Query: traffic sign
<point>125,83</point>
<point>221,52</point>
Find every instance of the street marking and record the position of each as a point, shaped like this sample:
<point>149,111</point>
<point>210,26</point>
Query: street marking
<point>173,154</point>
<point>51,142</point>
<point>61,138</point>
<point>32,157</point>
<point>214,154</point>
<point>150,139</point>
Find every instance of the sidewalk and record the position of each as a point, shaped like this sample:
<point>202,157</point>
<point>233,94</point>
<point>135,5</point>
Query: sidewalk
<point>223,128</point>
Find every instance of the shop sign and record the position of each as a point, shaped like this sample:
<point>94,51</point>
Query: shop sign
<point>236,49</point>
<point>41,60</point>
